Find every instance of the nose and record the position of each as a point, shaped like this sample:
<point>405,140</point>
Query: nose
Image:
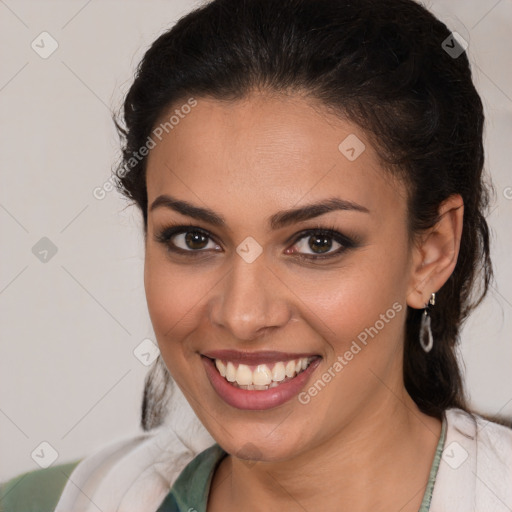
<point>251,301</point>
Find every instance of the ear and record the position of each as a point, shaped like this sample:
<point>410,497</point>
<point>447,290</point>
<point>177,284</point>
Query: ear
<point>435,252</point>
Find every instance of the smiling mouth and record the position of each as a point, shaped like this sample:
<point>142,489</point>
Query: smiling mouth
<point>262,376</point>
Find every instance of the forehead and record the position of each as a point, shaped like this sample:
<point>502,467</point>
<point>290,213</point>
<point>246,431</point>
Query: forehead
<point>267,152</point>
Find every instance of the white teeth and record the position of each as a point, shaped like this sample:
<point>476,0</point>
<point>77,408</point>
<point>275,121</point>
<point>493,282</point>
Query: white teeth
<point>221,367</point>
<point>262,377</point>
<point>290,369</point>
<point>230,372</point>
<point>278,372</point>
<point>243,375</point>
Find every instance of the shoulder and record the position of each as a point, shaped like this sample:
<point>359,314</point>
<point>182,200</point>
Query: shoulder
<point>132,474</point>
<point>35,491</point>
<point>492,440</point>
<point>476,465</point>
<point>191,489</point>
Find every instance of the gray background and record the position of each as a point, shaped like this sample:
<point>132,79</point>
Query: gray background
<point>69,326</point>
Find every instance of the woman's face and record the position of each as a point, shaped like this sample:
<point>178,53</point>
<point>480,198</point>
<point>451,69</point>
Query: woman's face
<point>253,281</point>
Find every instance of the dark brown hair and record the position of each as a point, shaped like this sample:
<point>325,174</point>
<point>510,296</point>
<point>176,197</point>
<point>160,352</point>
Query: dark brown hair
<point>382,64</point>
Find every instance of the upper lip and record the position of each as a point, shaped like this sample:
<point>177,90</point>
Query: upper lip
<point>254,358</point>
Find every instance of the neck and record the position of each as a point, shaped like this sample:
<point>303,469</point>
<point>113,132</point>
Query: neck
<point>379,461</point>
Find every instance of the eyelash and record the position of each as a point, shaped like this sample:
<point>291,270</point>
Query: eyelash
<point>165,234</point>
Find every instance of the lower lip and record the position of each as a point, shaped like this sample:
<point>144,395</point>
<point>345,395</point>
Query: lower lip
<point>257,400</point>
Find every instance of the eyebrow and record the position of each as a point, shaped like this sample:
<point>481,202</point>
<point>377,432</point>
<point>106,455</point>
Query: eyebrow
<point>279,220</point>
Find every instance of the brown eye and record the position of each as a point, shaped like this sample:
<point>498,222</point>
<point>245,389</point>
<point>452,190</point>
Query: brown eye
<point>195,240</point>
<point>317,244</point>
<point>192,241</point>
<point>186,239</point>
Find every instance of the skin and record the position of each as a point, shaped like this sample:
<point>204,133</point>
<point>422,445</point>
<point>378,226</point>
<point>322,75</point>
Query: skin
<point>361,443</point>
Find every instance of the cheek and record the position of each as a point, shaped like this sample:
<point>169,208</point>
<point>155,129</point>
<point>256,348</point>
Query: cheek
<point>361,301</point>
<point>172,295</point>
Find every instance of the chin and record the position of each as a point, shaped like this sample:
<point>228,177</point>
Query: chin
<point>259,445</point>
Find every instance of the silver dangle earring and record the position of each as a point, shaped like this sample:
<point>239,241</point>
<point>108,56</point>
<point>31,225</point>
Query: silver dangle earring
<point>426,339</point>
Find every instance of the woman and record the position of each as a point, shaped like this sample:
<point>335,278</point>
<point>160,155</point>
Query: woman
<point>309,173</point>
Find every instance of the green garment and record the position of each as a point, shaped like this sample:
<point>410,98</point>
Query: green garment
<point>36,491</point>
<point>40,490</point>
<point>191,489</point>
